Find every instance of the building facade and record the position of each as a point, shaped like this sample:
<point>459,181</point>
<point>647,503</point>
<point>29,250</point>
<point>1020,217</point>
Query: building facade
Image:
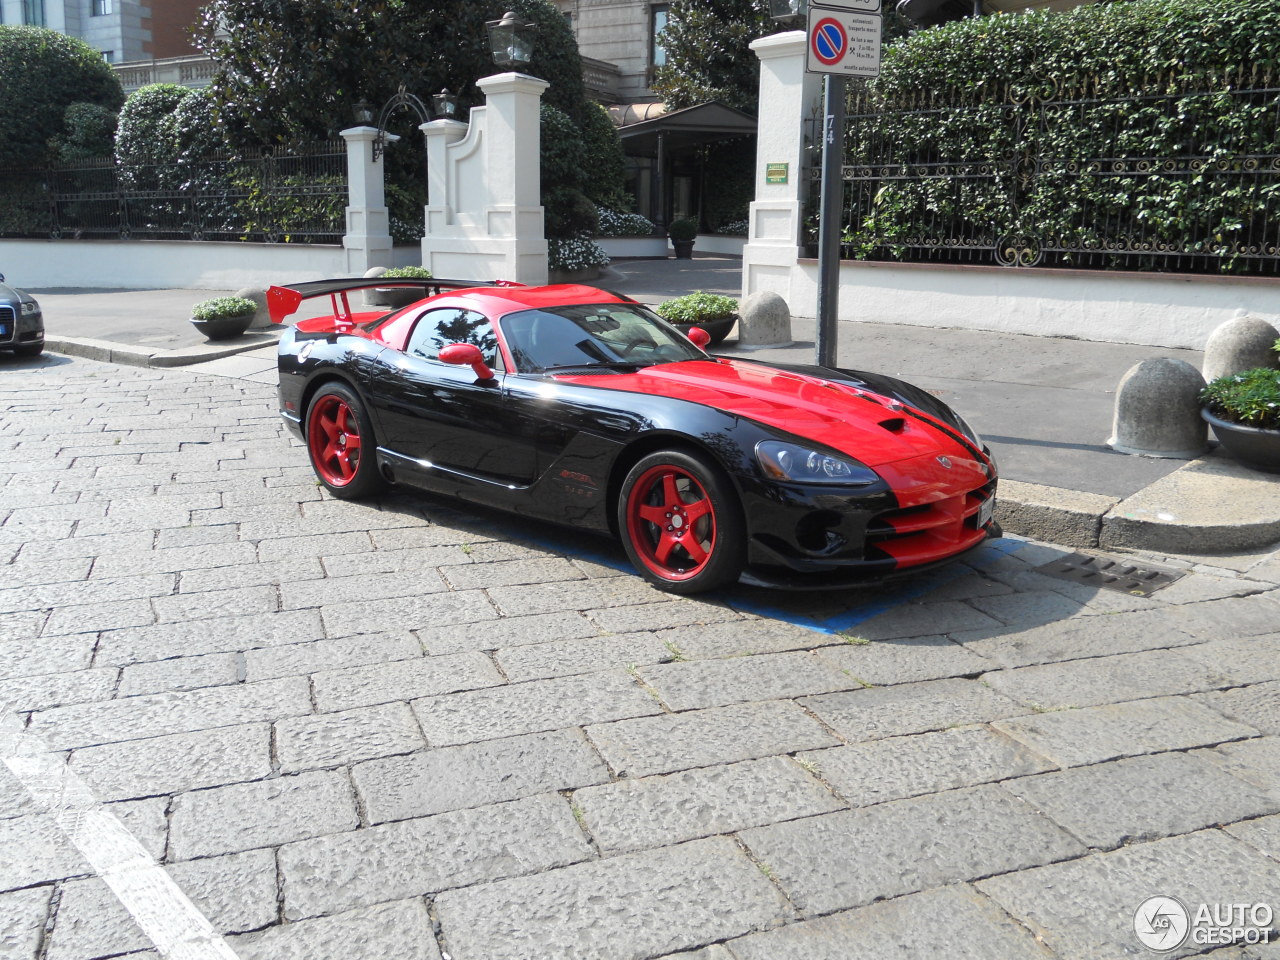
<point>123,30</point>
<point>621,33</point>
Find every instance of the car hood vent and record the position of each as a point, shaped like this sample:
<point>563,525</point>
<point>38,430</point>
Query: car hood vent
<point>894,424</point>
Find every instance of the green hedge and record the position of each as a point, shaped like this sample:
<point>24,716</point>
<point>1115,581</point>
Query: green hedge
<point>42,72</point>
<point>1134,135</point>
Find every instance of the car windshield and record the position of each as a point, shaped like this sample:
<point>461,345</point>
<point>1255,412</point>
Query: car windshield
<point>605,336</point>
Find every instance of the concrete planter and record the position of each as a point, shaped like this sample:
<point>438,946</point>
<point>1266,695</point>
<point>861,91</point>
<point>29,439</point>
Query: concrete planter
<point>716,329</point>
<point>581,275</point>
<point>395,297</point>
<point>224,328</point>
<point>1252,446</point>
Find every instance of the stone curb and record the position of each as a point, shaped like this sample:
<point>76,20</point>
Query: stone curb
<point>1207,506</point>
<point>110,352</point>
<point>1053,514</point>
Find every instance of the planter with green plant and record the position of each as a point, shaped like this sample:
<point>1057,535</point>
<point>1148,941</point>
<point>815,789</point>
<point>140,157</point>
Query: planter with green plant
<point>400,296</point>
<point>682,233</point>
<point>223,317</point>
<point>713,312</point>
<point>1244,411</point>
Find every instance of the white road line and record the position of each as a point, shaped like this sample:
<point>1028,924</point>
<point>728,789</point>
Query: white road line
<point>166,914</point>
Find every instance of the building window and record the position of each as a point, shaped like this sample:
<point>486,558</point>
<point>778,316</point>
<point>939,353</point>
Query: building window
<point>658,16</point>
<point>109,56</point>
<point>101,7</point>
<point>33,13</point>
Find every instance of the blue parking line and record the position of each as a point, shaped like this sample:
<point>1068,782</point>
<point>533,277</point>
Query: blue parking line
<point>839,623</point>
<point>843,622</point>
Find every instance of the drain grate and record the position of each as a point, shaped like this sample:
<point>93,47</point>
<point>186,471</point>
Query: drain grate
<point>1110,574</point>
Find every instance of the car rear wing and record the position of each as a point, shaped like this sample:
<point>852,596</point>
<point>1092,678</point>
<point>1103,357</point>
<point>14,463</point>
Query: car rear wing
<point>283,300</point>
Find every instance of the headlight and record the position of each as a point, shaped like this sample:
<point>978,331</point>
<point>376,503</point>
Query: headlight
<point>30,308</point>
<point>793,463</point>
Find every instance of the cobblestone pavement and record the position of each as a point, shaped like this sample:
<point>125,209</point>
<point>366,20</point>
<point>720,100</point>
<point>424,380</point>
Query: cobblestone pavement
<point>244,720</point>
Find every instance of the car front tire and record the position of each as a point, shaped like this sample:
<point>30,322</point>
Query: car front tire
<point>681,522</point>
<point>28,349</point>
<point>341,443</point>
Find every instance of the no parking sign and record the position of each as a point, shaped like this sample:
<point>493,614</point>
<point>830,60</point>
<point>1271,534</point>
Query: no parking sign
<point>844,38</point>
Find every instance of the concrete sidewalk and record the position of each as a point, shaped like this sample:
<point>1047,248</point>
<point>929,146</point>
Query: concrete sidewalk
<point>1043,404</point>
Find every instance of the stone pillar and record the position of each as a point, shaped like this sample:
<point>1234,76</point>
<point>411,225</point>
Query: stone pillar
<point>484,217</point>
<point>788,96</point>
<point>367,242</point>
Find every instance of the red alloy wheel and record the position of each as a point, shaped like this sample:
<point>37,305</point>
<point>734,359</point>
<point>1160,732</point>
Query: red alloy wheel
<point>671,523</point>
<point>333,440</point>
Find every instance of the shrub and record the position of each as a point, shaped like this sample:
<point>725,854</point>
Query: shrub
<point>89,131</point>
<point>603,157</point>
<point>734,228</point>
<point>222,308</point>
<point>410,272</point>
<point>576,253</point>
<point>42,72</point>
<point>698,308</point>
<point>615,224</point>
<point>569,214</point>
<point>685,228</point>
<point>147,131</point>
<point>1251,398</point>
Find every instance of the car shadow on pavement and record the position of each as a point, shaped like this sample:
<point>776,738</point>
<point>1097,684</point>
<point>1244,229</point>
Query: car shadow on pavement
<point>11,361</point>
<point>994,591</point>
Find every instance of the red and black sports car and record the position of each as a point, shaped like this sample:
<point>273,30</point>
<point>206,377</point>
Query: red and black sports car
<point>585,408</point>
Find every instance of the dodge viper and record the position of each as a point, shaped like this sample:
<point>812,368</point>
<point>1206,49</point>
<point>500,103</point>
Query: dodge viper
<point>574,405</point>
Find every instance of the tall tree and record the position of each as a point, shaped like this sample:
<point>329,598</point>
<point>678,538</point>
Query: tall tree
<point>293,69</point>
<point>708,47</point>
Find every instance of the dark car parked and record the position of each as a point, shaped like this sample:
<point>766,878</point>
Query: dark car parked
<point>21,322</point>
<point>571,404</point>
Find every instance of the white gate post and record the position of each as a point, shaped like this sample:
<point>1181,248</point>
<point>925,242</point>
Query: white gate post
<point>484,217</point>
<point>367,242</point>
<point>788,95</point>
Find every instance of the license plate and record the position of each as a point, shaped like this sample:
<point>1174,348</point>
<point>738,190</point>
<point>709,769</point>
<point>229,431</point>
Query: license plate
<point>4,331</point>
<point>986,511</point>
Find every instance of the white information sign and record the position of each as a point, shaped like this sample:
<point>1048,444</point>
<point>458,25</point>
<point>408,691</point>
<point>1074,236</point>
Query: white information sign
<point>844,41</point>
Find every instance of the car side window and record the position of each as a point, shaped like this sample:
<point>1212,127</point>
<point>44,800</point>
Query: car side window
<point>437,329</point>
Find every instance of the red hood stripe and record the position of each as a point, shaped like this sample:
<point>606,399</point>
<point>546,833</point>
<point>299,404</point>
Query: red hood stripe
<point>834,414</point>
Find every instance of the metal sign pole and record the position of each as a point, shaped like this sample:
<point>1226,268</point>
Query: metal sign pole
<point>831,205</point>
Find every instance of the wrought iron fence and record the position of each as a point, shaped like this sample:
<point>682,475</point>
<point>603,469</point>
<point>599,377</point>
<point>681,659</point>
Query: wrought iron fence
<point>1178,174</point>
<point>297,195</point>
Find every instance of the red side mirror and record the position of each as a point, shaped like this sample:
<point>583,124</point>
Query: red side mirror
<point>467,354</point>
<point>699,337</point>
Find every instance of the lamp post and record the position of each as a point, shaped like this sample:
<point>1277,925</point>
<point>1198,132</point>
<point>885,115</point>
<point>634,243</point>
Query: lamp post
<point>511,40</point>
<point>363,112</point>
<point>445,104</point>
<point>788,13</point>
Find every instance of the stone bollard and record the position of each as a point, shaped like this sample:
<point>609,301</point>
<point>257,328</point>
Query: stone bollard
<point>1240,344</point>
<point>372,297</point>
<point>1158,411</point>
<point>764,320</point>
<point>261,318</point>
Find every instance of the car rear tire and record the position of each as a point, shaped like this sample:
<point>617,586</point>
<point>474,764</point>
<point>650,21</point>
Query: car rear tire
<point>341,444</point>
<point>681,522</point>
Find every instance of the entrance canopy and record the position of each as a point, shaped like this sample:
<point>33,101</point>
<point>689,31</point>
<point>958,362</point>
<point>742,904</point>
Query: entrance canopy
<point>710,122</point>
